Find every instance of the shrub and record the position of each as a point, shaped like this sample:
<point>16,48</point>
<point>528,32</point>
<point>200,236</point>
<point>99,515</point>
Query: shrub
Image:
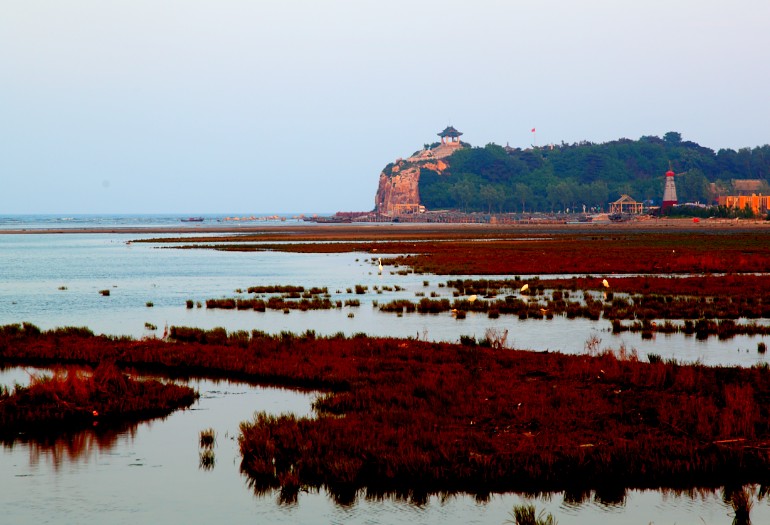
<point>467,340</point>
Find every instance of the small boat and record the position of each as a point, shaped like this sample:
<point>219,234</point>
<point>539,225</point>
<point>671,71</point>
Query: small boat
<point>193,219</point>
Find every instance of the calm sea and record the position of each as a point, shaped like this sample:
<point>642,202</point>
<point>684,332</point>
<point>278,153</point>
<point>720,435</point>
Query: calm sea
<point>56,221</point>
<point>150,473</point>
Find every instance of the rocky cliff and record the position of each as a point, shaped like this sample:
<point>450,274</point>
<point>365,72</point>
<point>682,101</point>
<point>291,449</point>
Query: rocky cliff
<point>398,191</point>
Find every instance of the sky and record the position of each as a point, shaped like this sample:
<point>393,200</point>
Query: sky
<point>278,106</point>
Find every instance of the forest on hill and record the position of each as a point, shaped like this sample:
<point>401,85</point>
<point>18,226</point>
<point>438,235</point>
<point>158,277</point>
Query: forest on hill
<point>568,176</point>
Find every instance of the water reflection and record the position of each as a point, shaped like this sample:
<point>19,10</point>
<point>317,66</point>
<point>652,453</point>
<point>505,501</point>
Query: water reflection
<point>72,447</point>
<point>695,505</point>
<point>734,502</point>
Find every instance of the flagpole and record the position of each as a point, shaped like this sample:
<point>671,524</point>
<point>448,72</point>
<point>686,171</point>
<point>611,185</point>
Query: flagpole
<point>534,138</point>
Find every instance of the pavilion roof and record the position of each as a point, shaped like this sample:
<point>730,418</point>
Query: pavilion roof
<point>449,132</point>
<point>624,199</point>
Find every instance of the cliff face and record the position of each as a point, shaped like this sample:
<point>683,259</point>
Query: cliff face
<point>398,191</point>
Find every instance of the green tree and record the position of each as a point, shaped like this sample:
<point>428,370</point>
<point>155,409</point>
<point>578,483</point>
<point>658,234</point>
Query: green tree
<point>523,194</point>
<point>672,137</point>
<point>598,194</point>
<point>492,196</point>
<point>692,186</point>
<point>562,194</point>
<point>462,192</point>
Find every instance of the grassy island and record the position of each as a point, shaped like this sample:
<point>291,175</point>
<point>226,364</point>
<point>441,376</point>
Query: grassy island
<point>74,399</point>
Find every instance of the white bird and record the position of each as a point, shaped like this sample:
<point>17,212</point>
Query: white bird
<point>472,298</point>
<point>605,283</point>
<point>525,288</point>
<point>380,262</point>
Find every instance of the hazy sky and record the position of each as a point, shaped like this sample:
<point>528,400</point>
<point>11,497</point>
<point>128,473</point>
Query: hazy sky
<point>222,106</point>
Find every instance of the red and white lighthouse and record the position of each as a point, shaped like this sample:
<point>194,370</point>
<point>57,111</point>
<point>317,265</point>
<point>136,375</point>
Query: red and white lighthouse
<point>669,192</point>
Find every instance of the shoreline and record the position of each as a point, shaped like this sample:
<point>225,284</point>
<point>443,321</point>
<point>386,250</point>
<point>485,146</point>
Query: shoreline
<point>656,225</point>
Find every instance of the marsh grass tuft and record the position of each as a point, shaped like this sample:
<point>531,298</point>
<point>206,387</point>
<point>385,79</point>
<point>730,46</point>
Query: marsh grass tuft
<point>741,501</point>
<point>208,438</point>
<point>525,515</point>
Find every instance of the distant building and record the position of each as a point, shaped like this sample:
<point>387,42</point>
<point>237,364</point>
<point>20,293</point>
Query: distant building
<point>450,136</point>
<point>745,187</point>
<point>759,204</point>
<point>669,191</point>
<point>626,204</point>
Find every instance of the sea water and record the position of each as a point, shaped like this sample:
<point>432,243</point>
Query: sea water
<point>151,472</point>
<point>64,221</point>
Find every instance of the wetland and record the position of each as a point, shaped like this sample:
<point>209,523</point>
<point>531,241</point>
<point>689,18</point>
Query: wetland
<point>411,407</point>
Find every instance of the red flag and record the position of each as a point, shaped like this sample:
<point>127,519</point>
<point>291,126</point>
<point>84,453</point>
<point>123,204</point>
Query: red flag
<point>533,130</point>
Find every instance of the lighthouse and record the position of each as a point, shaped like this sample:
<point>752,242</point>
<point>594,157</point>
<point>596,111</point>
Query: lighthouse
<point>669,192</point>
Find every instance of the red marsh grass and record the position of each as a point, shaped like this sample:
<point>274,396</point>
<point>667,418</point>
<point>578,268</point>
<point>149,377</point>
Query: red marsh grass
<point>272,303</point>
<point>530,251</point>
<point>403,414</point>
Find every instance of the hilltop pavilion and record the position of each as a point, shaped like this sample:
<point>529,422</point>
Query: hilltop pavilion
<point>450,135</point>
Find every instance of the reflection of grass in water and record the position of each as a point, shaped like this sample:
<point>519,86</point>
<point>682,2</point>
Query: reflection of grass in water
<point>206,459</point>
